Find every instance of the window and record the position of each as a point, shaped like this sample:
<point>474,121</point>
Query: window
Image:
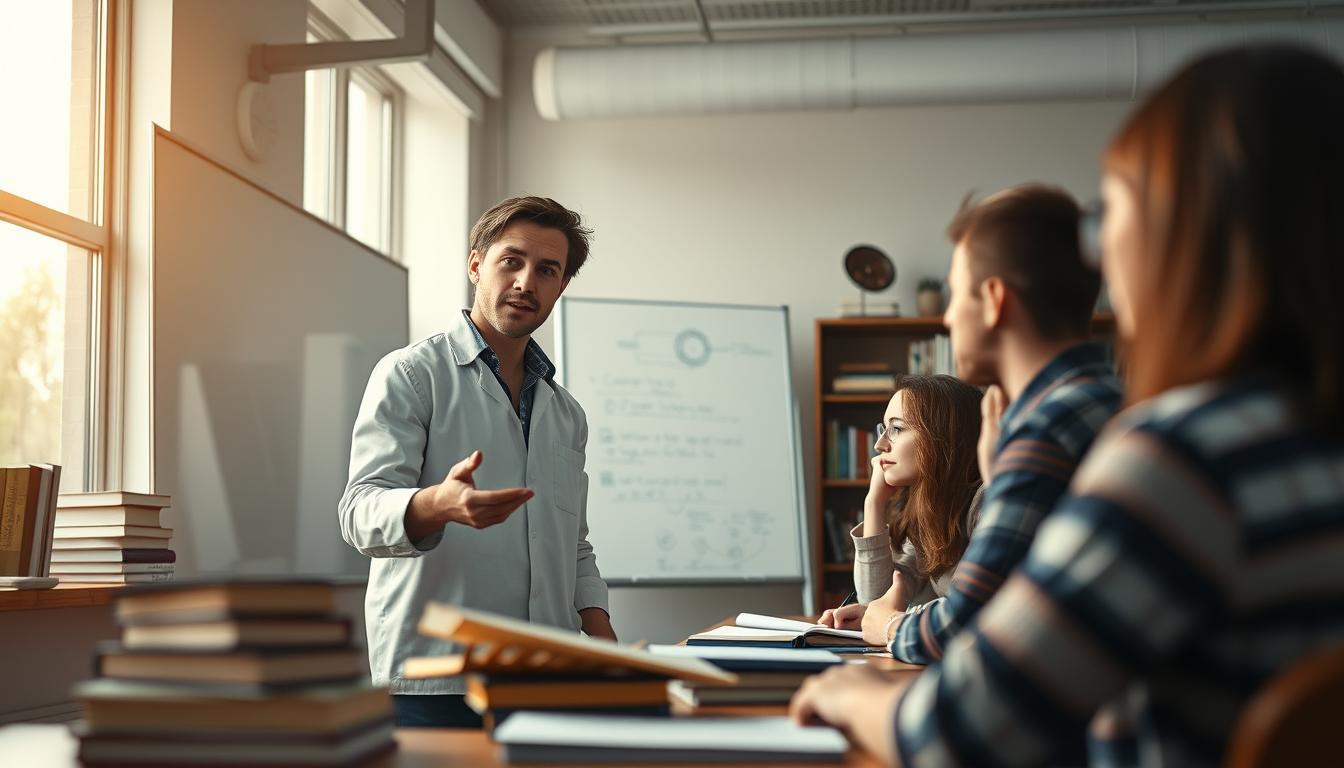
<point>53,232</point>
<point>352,119</point>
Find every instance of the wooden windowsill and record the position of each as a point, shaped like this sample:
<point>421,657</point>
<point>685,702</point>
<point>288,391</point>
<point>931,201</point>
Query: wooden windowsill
<point>59,596</point>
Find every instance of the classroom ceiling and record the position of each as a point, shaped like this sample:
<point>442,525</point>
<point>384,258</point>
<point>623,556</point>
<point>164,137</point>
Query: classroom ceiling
<point>796,13</point>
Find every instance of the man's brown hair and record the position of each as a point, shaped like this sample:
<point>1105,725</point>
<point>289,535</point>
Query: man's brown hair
<point>1235,164</point>
<point>944,413</point>
<point>542,211</point>
<point>1028,237</point>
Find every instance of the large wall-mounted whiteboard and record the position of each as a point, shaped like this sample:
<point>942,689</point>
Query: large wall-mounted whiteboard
<point>267,322</point>
<point>693,460</point>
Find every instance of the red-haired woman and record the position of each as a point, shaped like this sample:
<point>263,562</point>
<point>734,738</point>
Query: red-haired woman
<point>923,498</point>
<point>1199,551</point>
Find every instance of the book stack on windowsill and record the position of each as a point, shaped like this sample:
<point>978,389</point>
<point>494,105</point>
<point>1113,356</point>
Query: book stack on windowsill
<point>232,673</point>
<point>112,538</point>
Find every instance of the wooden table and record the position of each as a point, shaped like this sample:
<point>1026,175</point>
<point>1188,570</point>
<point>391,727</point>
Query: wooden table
<point>53,746</point>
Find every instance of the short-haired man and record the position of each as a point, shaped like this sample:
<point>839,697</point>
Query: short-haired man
<point>471,408</point>
<point>1020,315</point>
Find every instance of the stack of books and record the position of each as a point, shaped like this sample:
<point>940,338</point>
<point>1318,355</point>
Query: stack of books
<point>868,308</point>
<point>764,675</point>
<point>864,378</point>
<point>228,673</point>
<point>112,538</point>
<point>513,666</point>
<point>27,511</point>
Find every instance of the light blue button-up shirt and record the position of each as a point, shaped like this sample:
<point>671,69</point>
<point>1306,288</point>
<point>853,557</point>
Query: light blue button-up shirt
<point>427,407</point>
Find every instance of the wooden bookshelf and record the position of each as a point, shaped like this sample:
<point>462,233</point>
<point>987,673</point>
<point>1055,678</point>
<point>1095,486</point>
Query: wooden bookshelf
<point>868,340</point>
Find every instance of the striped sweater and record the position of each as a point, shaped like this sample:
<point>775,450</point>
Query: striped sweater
<point>1198,553</point>
<point>1044,434</point>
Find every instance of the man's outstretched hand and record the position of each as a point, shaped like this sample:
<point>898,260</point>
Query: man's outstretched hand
<point>457,500</point>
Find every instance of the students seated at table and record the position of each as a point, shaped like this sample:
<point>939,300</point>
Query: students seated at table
<point>1198,551</point>
<point>1020,317</point>
<point>924,492</point>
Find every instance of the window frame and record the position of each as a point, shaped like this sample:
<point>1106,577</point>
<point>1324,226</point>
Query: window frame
<point>89,302</point>
<point>321,27</point>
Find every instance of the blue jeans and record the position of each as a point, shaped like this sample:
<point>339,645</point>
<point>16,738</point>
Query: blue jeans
<point>434,711</point>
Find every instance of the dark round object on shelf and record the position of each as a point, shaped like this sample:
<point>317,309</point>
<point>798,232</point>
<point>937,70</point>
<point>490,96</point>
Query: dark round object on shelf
<point>869,268</point>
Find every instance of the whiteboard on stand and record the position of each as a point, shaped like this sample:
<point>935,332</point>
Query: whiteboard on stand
<point>693,461</point>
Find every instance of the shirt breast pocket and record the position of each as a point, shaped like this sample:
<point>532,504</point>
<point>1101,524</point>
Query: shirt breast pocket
<point>566,477</point>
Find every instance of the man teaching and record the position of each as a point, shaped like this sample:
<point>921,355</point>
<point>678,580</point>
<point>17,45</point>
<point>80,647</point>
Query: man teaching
<point>476,407</point>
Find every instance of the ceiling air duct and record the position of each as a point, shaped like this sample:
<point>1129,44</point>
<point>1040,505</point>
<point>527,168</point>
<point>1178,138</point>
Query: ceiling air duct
<point>844,73</point>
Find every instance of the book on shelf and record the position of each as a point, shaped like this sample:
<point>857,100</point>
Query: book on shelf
<point>113,499</point>
<point>931,356</point>
<point>60,569</point>
<point>110,542</point>
<point>849,452</point>
<point>27,515</point>
<point>87,516</point>
<point>67,556</point>
<point>151,577</point>
<point>868,308</point>
<point>750,629</point>
<point>835,535</point>
<point>127,531</point>
<point>561,737</point>
<point>863,383</point>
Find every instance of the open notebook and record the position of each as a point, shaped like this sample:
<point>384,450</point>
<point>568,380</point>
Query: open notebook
<point>773,632</point>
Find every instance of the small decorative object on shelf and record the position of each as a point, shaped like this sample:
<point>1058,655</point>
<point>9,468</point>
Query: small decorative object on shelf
<point>871,270</point>
<point>929,296</point>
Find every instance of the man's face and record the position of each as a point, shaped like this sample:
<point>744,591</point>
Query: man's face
<point>972,343</point>
<point>519,277</point>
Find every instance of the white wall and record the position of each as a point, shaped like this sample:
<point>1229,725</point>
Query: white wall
<point>760,209</point>
<point>211,42</point>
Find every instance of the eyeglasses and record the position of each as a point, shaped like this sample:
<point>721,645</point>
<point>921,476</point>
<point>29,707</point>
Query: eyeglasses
<point>1089,232</point>
<point>885,431</point>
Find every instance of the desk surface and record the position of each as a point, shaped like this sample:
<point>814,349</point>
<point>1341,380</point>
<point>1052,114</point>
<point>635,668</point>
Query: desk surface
<point>53,746</point>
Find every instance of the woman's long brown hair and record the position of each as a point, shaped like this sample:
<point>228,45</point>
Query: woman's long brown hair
<point>1236,164</point>
<point>944,413</point>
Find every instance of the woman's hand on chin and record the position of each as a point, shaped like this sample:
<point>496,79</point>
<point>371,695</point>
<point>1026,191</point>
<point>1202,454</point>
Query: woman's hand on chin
<point>885,611</point>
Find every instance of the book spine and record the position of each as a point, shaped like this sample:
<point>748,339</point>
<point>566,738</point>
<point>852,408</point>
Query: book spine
<point>38,503</point>
<point>842,438</point>
<point>9,541</point>
<point>14,545</point>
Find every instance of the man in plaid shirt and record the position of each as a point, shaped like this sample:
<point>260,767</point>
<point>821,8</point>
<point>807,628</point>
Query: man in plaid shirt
<point>1020,316</point>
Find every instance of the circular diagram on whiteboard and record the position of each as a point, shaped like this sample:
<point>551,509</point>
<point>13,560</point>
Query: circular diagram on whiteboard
<point>692,348</point>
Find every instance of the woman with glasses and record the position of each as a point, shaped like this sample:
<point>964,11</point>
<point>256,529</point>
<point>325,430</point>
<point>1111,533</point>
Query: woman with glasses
<point>923,498</point>
<point>1199,551</point>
